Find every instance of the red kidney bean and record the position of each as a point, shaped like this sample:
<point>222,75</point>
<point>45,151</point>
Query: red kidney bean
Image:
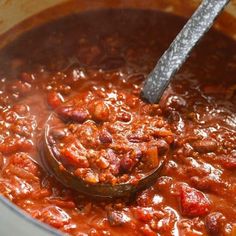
<point>105,137</point>
<point>214,223</point>
<point>162,146</point>
<point>126,164</point>
<point>79,114</point>
<point>114,162</point>
<point>64,112</point>
<point>58,133</point>
<point>138,137</point>
<point>205,145</point>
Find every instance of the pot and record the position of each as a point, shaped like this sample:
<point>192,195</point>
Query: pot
<point>14,221</point>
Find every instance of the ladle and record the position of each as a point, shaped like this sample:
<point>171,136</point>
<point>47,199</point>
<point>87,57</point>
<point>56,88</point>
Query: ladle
<point>179,50</point>
<point>154,87</point>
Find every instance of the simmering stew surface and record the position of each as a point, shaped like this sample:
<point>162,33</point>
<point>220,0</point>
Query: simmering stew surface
<point>100,60</point>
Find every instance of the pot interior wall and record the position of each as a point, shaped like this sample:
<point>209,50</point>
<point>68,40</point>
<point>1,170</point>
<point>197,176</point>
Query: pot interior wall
<point>16,12</point>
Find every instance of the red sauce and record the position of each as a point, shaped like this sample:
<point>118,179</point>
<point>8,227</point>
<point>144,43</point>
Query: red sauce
<point>111,52</point>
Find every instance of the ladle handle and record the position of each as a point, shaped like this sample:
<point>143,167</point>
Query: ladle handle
<point>178,52</point>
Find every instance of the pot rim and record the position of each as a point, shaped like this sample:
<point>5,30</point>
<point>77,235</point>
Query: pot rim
<point>23,221</point>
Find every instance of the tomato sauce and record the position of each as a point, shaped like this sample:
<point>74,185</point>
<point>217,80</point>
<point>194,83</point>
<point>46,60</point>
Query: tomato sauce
<point>103,55</point>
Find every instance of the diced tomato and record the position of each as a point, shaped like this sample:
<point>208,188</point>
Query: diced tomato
<point>147,231</point>
<point>73,156</point>
<point>54,216</point>
<point>193,202</point>
<point>228,162</point>
<point>14,145</point>
<point>143,214</point>
<point>54,99</point>
<point>152,157</point>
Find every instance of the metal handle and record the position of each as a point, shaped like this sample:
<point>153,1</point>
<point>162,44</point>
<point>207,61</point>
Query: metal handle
<point>178,52</point>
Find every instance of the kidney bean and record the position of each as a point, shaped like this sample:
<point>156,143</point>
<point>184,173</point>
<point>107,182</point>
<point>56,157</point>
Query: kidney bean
<point>205,145</point>
<point>162,146</point>
<point>73,114</point>
<point>58,133</point>
<point>214,223</point>
<point>64,112</point>
<point>138,137</point>
<point>79,114</point>
<point>114,162</point>
<point>136,154</point>
<point>105,136</point>
<point>126,164</point>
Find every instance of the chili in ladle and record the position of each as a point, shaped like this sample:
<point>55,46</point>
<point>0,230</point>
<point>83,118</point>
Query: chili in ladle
<point>113,165</point>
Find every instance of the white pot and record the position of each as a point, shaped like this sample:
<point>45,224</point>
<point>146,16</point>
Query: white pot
<point>16,12</point>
